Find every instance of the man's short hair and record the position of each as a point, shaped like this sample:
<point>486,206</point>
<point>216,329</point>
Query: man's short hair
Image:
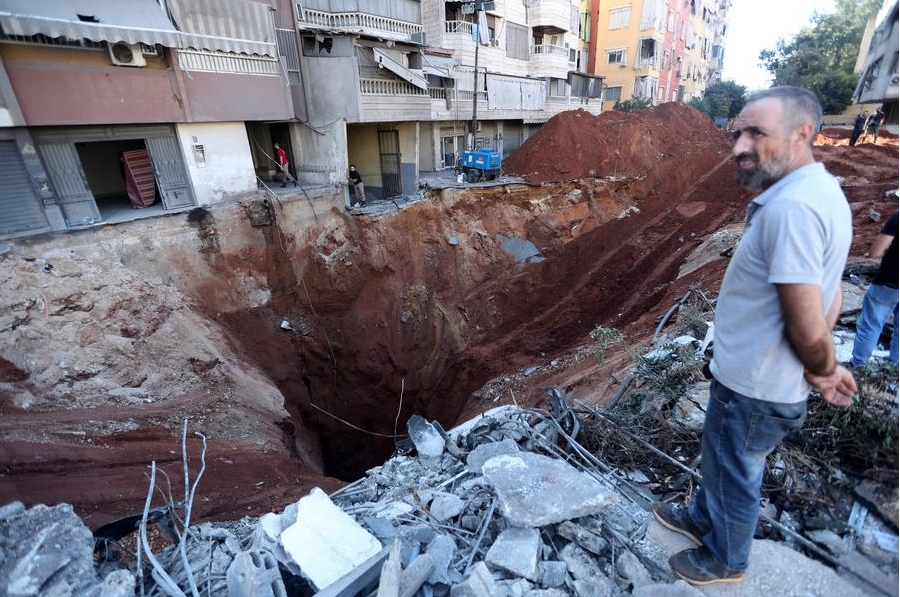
<point>801,106</point>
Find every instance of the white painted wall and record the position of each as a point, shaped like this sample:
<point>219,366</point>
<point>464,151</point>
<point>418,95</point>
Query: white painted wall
<point>228,168</point>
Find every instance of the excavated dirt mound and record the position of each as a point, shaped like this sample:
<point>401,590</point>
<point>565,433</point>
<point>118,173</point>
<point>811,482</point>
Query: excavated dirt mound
<point>658,143</point>
<point>118,334</point>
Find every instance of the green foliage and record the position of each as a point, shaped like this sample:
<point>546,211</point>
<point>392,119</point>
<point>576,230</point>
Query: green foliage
<point>632,105</point>
<point>604,336</point>
<point>821,57</point>
<point>724,99</point>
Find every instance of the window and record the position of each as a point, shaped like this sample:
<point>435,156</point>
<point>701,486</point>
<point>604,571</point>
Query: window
<point>516,41</point>
<point>612,94</point>
<point>673,22</point>
<point>619,18</point>
<point>616,56</point>
<point>584,27</point>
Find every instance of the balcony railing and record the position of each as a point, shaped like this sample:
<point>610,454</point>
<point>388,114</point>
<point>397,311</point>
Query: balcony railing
<point>389,87</point>
<point>461,27</point>
<point>547,49</point>
<point>359,21</point>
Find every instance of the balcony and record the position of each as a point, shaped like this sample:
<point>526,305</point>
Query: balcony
<point>551,16</point>
<point>393,100</point>
<point>361,23</point>
<point>547,60</point>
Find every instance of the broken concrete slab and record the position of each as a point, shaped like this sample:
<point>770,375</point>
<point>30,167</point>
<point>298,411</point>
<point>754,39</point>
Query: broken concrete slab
<point>480,583</point>
<point>529,486</point>
<point>47,550</point>
<point>428,441</point>
<point>325,542</point>
<point>516,551</point>
<point>484,452</point>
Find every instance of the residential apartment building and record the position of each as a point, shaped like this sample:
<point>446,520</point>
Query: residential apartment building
<point>879,81</point>
<point>177,103</point>
<point>661,50</point>
<point>105,106</point>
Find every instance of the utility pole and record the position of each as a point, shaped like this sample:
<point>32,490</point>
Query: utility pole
<point>477,37</point>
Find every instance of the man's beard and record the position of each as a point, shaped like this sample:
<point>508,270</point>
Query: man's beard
<point>759,178</point>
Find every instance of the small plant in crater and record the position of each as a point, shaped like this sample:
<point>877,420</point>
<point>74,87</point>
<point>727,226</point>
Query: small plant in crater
<point>604,337</point>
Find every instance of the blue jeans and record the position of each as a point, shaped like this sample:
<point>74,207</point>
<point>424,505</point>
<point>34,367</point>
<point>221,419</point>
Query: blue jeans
<point>878,305</point>
<point>738,433</point>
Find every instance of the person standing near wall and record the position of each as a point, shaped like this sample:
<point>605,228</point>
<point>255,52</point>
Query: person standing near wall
<point>772,343</point>
<point>873,125</point>
<point>881,298</point>
<point>284,166</point>
<point>359,190</point>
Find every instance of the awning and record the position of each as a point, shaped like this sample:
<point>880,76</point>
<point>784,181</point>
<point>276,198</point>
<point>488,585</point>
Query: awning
<point>398,69</point>
<point>135,21</point>
<point>439,65</point>
<point>216,25</point>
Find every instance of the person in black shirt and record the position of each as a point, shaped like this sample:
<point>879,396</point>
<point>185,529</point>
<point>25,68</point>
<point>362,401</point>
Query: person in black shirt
<point>880,301</point>
<point>859,124</point>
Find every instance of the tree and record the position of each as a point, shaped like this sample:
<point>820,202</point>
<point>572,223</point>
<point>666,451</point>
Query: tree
<point>821,57</point>
<point>632,105</point>
<point>724,99</point>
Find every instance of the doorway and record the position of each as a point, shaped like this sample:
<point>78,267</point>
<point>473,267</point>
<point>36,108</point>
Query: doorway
<point>120,177</point>
<point>451,149</point>
<point>389,152</point>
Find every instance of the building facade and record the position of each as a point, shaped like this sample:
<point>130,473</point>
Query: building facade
<point>657,50</point>
<point>877,65</point>
<point>158,105</point>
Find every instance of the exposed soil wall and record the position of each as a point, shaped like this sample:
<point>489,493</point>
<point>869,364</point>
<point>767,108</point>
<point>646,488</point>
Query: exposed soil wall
<point>298,338</point>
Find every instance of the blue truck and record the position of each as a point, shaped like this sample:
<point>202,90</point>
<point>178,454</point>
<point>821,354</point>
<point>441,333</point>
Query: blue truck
<point>481,164</point>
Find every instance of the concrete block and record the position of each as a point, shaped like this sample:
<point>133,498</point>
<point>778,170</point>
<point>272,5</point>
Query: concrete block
<point>516,551</point>
<point>630,568</point>
<point>428,441</point>
<point>480,583</point>
<point>552,574</point>
<point>445,506</point>
<point>578,534</point>
<point>580,563</point>
<point>529,485</point>
<point>484,452</point>
<point>254,574</point>
<point>442,550</point>
<point>325,542</point>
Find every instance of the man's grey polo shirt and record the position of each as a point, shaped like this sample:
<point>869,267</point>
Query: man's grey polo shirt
<point>797,232</point>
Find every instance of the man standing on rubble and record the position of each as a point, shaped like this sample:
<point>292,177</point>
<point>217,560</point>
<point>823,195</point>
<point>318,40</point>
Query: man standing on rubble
<point>772,336</point>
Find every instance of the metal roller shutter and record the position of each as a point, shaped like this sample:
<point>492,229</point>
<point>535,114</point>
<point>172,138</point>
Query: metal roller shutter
<point>21,211</point>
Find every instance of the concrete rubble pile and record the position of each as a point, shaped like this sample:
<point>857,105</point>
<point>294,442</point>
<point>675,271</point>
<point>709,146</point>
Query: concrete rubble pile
<point>507,505</point>
<point>495,508</point>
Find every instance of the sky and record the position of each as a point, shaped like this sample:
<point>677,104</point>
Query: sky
<point>755,25</point>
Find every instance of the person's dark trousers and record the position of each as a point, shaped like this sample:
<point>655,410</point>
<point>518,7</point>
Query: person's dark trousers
<point>854,136</point>
<point>738,433</point>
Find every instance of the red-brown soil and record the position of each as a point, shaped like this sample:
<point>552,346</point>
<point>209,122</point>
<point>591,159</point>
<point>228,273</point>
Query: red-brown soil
<point>419,311</point>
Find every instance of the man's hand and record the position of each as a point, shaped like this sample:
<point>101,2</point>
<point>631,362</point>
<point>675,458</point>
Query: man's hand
<point>837,388</point>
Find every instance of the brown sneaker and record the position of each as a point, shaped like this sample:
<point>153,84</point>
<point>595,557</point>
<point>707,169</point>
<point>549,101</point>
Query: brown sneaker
<point>699,566</point>
<point>676,518</point>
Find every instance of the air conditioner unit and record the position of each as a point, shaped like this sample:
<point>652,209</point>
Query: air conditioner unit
<point>123,54</point>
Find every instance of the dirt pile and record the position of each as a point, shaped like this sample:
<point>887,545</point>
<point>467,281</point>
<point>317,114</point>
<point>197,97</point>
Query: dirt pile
<point>658,143</point>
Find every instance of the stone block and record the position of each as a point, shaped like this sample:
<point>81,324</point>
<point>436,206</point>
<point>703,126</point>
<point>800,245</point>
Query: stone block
<point>578,534</point>
<point>528,486</point>
<point>480,583</point>
<point>516,551</point>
